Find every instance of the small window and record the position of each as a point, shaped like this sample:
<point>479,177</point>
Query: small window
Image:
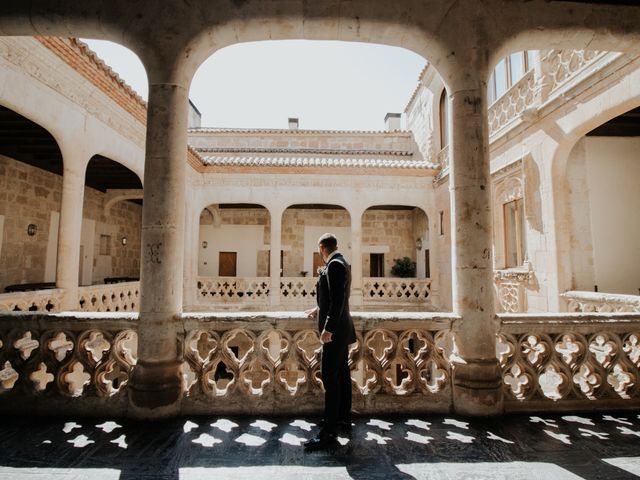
<point>516,67</point>
<point>427,264</point>
<point>444,119</point>
<point>105,244</point>
<point>376,264</point>
<point>441,223</point>
<point>513,233</point>
<point>502,81</point>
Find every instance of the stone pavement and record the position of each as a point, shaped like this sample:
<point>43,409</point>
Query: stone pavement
<point>550,447</point>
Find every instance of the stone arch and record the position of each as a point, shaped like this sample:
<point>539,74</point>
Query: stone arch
<point>31,168</point>
<point>302,225</point>
<point>111,223</point>
<point>601,109</point>
<point>408,226</point>
<point>241,228</point>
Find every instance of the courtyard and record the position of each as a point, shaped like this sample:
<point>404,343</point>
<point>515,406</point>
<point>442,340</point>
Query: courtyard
<point>550,446</point>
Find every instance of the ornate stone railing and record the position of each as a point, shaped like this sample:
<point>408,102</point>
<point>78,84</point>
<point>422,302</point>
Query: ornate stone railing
<point>298,290</point>
<point>271,364</point>
<point>234,290</point>
<point>514,103</point>
<point>34,301</point>
<point>66,361</point>
<point>113,297</point>
<point>558,66</point>
<point>601,302</point>
<point>510,287</point>
<point>570,361</point>
<point>396,290</point>
<point>233,363</point>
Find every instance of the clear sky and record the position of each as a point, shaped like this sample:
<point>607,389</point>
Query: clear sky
<point>327,85</point>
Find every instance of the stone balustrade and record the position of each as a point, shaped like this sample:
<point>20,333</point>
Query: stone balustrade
<point>34,301</point>
<point>269,363</point>
<point>113,297</point>
<point>570,361</point>
<point>66,362</point>
<point>559,66</point>
<point>510,285</point>
<point>298,291</point>
<point>514,103</point>
<point>251,291</point>
<point>601,302</point>
<point>395,290</point>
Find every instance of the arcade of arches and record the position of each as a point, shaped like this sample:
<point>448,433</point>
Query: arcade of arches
<point>512,193</point>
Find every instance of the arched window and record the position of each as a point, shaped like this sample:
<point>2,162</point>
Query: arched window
<point>444,119</point>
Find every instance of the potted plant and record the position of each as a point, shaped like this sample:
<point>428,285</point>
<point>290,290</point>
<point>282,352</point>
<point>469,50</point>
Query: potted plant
<point>403,267</point>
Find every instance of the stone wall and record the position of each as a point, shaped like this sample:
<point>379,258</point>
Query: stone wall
<point>392,230</point>
<point>124,221</point>
<point>294,221</point>
<point>213,215</point>
<point>31,195</point>
<point>27,195</point>
<point>305,140</point>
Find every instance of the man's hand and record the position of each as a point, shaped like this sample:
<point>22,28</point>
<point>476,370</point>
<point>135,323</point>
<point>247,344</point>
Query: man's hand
<point>311,312</point>
<point>325,337</point>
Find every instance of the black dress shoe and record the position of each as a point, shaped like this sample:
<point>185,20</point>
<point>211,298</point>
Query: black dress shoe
<point>343,426</point>
<point>321,441</point>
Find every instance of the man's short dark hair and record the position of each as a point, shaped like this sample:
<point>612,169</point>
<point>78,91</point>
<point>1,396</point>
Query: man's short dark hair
<point>328,241</point>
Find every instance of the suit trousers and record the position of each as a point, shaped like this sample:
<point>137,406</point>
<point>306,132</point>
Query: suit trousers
<point>336,379</point>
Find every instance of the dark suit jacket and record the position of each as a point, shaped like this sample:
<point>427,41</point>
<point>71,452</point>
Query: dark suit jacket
<point>333,289</point>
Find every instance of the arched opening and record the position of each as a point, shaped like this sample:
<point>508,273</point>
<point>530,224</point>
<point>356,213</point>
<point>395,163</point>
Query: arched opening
<point>111,224</point>
<point>396,257</point>
<point>602,171</point>
<point>302,225</point>
<point>233,256</point>
<point>30,194</point>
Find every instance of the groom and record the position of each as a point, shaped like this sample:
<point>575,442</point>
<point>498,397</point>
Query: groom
<point>336,334</point>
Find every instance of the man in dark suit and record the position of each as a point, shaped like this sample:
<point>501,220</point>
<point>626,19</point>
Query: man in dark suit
<point>336,334</point>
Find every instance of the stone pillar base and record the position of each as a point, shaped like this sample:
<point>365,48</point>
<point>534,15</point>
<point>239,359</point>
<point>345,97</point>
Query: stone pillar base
<point>477,387</point>
<point>155,390</point>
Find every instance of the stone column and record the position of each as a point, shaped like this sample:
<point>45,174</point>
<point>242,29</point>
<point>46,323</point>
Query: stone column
<point>274,257</point>
<point>356,258</point>
<point>192,254</point>
<point>156,387</point>
<point>70,228</point>
<point>477,382</point>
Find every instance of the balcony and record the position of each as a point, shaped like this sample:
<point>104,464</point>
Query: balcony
<point>268,363</point>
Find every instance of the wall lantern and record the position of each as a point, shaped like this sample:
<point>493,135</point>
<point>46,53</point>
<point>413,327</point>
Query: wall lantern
<point>419,244</point>
<point>124,240</point>
<point>32,228</point>
<point>204,244</point>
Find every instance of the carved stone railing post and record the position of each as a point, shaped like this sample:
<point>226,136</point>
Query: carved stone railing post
<point>477,384</point>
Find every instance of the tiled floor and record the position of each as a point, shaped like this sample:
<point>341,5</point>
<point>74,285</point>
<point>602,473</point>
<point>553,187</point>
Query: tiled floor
<point>548,447</point>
